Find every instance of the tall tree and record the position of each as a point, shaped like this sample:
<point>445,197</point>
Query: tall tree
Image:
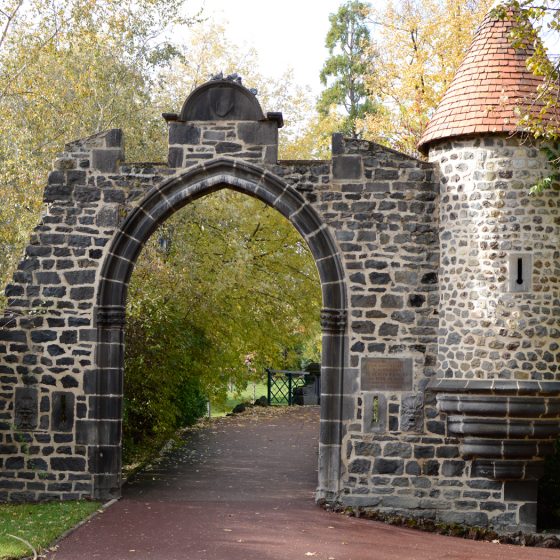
<point>70,68</point>
<point>420,44</point>
<point>345,72</point>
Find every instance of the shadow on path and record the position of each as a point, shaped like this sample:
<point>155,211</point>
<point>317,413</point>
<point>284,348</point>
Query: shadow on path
<point>242,489</point>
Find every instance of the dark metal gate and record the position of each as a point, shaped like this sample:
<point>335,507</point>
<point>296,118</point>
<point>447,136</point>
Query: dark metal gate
<point>282,385</point>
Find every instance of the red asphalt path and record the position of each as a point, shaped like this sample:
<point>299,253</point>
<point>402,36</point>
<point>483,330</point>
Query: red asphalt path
<point>242,489</point>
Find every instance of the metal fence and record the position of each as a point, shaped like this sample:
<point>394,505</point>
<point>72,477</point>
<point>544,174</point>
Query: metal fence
<point>291,387</point>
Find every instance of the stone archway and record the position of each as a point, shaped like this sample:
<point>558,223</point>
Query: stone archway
<point>105,396</point>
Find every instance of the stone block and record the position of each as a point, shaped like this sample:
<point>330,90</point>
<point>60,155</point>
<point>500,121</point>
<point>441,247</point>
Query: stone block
<point>271,154</point>
<point>105,408</point>
<point>337,144</point>
<point>107,217</point>
<point>354,500</point>
<point>387,329</point>
<point>397,449</point>
<point>78,277</point>
<point>47,278</point>
<point>453,468</point>
<point>68,464</point>
<point>41,336</point>
<point>228,147</point>
<point>258,133</point>
<point>14,463</point>
<point>401,502</point>
<point>363,327</point>
<point>183,133</point>
<point>388,466</point>
<point>528,514</point>
<point>104,459</point>
<point>424,451</point>
<point>359,466</point>
<point>390,301</point>
<point>101,432</point>
<point>175,157</point>
<point>365,449</point>
<point>520,491</point>
<point>13,336</point>
<point>347,167</point>
<point>82,293</point>
<point>86,195</point>
<point>430,468</point>
<point>75,177</point>
<point>57,193</point>
<point>106,160</point>
<point>363,301</point>
<point>114,138</point>
<point>380,278</point>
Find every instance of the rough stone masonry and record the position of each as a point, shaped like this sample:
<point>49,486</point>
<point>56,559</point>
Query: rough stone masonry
<point>440,284</point>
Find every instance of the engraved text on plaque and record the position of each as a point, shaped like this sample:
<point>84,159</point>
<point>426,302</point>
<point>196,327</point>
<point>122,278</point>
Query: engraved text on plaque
<point>387,374</point>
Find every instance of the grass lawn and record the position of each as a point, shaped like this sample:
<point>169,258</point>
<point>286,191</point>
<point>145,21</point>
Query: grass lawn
<point>38,524</point>
<point>238,397</point>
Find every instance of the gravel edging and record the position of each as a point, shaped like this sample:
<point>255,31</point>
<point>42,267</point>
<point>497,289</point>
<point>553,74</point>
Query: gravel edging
<point>539,540</point>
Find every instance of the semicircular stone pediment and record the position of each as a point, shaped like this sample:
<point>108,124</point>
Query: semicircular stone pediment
<point>219,100</point>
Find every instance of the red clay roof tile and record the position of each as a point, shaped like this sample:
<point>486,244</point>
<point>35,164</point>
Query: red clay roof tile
<point>492,83</point>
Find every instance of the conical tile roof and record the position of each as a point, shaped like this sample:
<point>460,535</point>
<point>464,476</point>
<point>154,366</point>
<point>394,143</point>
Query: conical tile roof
<point>491,83</point>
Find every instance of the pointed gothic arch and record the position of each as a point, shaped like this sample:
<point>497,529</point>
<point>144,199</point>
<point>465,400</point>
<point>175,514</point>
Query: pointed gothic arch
<point>106,390</point>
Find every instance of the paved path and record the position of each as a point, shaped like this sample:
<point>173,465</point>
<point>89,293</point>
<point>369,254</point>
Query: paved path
<point>242,489</point>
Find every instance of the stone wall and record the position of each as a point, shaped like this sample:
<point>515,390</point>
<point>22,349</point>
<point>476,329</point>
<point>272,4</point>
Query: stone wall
<point>47,336</point>
<point>423,297</point>
<point>379,205</point>
<point>473,462</point>
<point>488,330</point>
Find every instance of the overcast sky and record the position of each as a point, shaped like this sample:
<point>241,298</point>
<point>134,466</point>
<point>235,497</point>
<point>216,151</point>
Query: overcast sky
<point>286,33</point>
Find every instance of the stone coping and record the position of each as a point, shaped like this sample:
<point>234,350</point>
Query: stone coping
<point>493,386</point>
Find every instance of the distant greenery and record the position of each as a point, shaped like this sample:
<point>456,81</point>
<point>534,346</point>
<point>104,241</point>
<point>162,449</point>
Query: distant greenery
<point>224,289</point>
<point>38,524</point>
<point>350,61</point>
<point>236,397</point>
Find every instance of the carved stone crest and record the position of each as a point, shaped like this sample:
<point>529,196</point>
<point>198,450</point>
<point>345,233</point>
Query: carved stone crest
<point>412,412</point>
<point>26,409</point>
<point>222,101</point>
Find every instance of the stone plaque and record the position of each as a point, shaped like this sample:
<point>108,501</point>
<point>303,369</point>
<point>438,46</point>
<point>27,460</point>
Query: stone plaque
<point>26,408</point>
<point>386,374</point>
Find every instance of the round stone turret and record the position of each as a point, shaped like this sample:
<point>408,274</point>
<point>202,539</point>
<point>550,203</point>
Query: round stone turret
<point>500,271</point>
<point>499,331</point>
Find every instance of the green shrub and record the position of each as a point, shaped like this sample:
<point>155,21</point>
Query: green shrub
<point>161,389</point>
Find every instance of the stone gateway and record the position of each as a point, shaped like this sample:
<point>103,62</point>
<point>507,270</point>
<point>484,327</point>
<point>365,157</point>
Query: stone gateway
<point>441,293</point>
